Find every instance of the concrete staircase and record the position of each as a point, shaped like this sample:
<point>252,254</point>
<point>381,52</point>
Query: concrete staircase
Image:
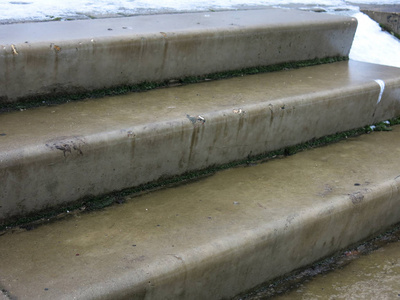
<point>214,238</point>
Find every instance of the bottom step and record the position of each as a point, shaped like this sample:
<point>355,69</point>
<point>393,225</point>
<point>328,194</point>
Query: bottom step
<point>216,237</point>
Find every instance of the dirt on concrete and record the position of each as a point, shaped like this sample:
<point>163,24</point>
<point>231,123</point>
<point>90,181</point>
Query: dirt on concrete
<point>288,284</point>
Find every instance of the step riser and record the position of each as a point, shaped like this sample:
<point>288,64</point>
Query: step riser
<point>165,49</point>
<point>65,169</point>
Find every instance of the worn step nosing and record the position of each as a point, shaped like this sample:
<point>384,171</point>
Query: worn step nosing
<point>370,90</point>
<point>264,110</point>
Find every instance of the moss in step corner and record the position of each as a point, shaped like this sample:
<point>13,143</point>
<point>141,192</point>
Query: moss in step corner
<point>59,98</point>
<point>91,203</point>
<point>389,30</point>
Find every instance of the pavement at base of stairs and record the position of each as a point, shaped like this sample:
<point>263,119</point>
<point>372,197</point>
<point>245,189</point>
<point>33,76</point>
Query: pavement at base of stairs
<point>216,237</point>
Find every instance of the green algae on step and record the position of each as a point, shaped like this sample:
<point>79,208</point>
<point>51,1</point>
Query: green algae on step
<point>81,56</point>
<point>95,147</point>
<point>54,99</point>
<point>91,203</point>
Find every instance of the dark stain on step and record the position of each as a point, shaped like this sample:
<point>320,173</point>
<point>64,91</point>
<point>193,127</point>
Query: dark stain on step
<point>356,197</point>
<point>67,144</point>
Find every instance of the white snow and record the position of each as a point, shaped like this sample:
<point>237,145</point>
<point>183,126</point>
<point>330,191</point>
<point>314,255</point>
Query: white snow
<point>371,44</point>
<point>48,9</point>
<point>382,86</point>
<point>374,1</point>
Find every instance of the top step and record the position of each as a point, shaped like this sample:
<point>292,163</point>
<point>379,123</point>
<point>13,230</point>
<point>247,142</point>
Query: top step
<point>84,55</point>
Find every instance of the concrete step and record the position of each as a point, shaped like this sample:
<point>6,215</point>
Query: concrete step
<point>216,237</point>
<point>387,16</point>
<point>77,56</point>
<point>58,154</point>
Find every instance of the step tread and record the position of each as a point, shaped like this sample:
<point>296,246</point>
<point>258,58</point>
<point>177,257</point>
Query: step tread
<point>86,30</point>
<point>117,115</point>
<point>215,237</point>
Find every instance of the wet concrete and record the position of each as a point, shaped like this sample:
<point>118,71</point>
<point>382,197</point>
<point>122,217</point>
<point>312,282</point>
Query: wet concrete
<point>375,276</point>
<point>85,55</point>
<point>216,237</point>
<point>372,276</point>
<point>98,146</point>
<point>368,270</point>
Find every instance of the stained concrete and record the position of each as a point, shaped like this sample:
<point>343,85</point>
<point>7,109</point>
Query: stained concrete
<point>76,56</point>
<point>216,237</point>
<point>56,155</point>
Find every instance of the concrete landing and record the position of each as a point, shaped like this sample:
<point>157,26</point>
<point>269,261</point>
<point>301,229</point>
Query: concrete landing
<point>216,237</point>
<point>84,55</point>
<point>98,146</point>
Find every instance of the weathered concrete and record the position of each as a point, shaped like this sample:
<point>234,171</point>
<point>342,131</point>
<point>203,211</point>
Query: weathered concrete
<point>216,237</point>
<point>390,19</point>
<point>3,297</point>
<point>394,8</point>
<point>60,154</point>
<point>61,57</point>
<point>372,276</point>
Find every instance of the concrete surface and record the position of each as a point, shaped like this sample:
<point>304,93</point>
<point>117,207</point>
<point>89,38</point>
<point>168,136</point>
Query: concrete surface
<point>3,297</point>
<point>216,237</point>
<point>394,8</point>
<point>368,277</point>
<point>75,56</point>
<point>389,18</point>
<point>54,155</point>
